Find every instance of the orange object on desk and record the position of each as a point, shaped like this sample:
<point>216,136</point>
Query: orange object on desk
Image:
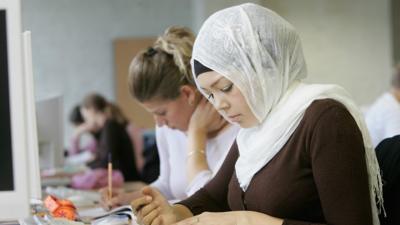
<point>60,207</point>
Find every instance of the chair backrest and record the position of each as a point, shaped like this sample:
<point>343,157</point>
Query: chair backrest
<point>136,136</point>
<point>388,155</point>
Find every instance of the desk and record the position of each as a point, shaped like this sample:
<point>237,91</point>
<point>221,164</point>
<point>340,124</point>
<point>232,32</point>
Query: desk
<point>9,223</point>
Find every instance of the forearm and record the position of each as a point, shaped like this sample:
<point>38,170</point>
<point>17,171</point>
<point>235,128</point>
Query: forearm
<point>196,158</point>
<point>181,212</point>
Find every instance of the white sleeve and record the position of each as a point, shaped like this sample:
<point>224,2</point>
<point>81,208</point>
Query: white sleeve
<point>222,144</point>
<point>383,118</point>
<point>374,126</point>
<point>392,123</point>
<point>162,182</point>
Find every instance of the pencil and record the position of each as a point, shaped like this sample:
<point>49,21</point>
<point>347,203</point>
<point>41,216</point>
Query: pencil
<point>109,177</point>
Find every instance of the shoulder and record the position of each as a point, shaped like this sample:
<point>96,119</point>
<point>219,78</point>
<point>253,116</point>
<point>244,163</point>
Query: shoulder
<point>386,102</point>
<point>323,107</point>
<point>328,114</point>
<point>327,119</point>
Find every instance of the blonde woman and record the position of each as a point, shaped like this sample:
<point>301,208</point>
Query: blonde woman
<point>192,138</point>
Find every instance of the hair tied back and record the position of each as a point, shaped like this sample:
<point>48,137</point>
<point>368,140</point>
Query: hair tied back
<point>150,51</point>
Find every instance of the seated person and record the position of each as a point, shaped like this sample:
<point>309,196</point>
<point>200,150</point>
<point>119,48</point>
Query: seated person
<point>192,138</point>
<point>80,128</point>
<point>388,154</point>
<point>383,116</point>
<point>113,140</point>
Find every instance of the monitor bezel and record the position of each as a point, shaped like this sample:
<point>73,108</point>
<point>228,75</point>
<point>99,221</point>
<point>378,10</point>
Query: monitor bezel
<point>15,204</point>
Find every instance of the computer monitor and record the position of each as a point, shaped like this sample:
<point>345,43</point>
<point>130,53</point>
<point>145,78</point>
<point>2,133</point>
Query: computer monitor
<point>35,191</point>
<point>14,157</point>
<point>49,112</point>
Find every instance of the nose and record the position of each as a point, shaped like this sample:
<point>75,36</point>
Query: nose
<point>160,120</point>
<point>220,103</point>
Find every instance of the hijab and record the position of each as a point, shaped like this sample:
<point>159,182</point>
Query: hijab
<point>261,54</point>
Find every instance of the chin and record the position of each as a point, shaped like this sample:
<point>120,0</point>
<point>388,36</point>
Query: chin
<point>178,128</point>
<point>243,125</point>
<point>246,125</point>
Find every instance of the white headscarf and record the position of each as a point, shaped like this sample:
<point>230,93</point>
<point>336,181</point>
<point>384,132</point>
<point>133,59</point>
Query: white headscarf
<point>261,54</point>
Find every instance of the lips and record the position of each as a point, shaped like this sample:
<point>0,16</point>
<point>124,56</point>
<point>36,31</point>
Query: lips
<point>234,118</point>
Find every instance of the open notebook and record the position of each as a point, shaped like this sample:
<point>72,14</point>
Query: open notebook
<point>118,216</point>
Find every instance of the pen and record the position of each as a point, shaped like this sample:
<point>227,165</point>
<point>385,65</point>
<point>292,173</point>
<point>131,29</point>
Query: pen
<point>109,176</point>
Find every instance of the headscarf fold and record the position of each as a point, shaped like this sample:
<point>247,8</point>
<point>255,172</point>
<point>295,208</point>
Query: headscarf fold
<point>261,54</point>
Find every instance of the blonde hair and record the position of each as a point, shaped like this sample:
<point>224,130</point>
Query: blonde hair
<point>159,71</point>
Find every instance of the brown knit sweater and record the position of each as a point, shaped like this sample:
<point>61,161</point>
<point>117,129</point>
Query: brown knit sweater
<point>318,177</point>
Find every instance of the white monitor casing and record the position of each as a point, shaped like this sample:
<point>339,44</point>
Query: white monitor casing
<point>15,204</point>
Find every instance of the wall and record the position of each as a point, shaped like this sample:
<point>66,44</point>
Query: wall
<point>345,42</point>
<point>72,41</point>
<point>395,10</point>
<point>203,8</point>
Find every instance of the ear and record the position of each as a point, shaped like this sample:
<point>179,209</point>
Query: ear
<point>189,93</point>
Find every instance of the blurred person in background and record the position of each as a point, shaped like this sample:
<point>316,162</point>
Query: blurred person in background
<point>80,128</point>
<point>113,141</point>
<point>383,116</point>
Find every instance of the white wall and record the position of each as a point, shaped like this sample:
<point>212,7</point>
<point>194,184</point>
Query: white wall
<point>345,42</point>
<point>204,8</point>
<point>72,41</point>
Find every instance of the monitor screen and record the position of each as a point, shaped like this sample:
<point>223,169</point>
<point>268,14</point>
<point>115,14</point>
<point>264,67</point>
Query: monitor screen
<point>6,167</point>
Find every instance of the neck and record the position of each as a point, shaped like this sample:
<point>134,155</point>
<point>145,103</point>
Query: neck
<point>396,93</point>
<point>218,131</point>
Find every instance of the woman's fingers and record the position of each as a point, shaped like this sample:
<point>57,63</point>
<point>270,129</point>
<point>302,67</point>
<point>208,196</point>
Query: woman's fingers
<point>138,203</point>
<point>105,202</point>
<point>150,216</point>
<point>148,208</point>
<point>158,221</point>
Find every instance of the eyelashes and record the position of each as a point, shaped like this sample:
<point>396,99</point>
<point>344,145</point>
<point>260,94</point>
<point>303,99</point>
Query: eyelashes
<point>225,90</point>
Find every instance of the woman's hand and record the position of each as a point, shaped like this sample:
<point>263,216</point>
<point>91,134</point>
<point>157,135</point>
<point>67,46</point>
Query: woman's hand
<point>205,123</point>
<point>153,208</point>
<point>119,197</point>
<point>206,118</point>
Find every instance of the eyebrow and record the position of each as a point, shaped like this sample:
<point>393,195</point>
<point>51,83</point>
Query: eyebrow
<point>213,84</point>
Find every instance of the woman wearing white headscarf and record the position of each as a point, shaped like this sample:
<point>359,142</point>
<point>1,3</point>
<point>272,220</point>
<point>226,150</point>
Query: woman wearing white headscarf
<point>303,155</point>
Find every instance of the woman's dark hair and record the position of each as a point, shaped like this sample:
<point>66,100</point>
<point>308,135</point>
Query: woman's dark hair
<point>95,101</point>
<point>75,116</point>
<point>159,71</point>
<point>100,104</point>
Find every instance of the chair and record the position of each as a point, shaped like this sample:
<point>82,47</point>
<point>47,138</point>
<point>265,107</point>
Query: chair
<point>388,155</point>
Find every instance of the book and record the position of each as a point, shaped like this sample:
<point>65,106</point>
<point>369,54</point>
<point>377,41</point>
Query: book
<point>123,215</point>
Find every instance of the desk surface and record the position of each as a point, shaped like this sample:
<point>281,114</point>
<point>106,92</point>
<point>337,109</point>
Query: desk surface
<point>9,223</point>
